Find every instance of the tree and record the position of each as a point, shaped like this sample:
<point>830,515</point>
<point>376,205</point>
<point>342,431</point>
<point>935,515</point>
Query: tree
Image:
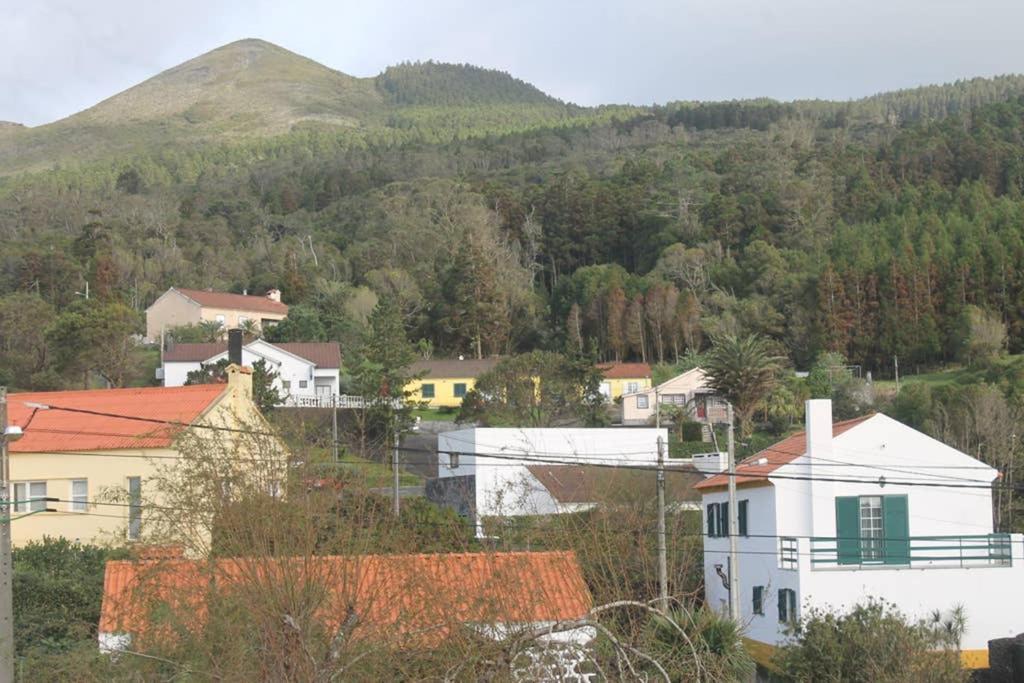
<point>264,392</point>
<point>984,335</point>
<point>96,336</point>
<point>742,369</point>
<point>874,641</point>
<point>202,332</point>
<point>302,325</point>
<point>24,348</point>
<point>574,329</point>
<point>537,389</point>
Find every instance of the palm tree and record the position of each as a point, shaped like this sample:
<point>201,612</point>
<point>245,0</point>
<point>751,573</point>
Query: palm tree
<point>741,369</point>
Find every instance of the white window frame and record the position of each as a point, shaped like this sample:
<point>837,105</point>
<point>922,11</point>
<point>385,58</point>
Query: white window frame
<point>643,402</point>
<point>222,320</point>
<point>79,502</point>
<point>26,501</point>
<point>872,528</point>
<point>632,387</point>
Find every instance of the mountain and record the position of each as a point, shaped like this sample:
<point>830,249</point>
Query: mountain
<point>254,89</point>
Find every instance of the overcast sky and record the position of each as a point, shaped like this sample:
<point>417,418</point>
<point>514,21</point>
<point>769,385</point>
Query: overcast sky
<point>60,56</point>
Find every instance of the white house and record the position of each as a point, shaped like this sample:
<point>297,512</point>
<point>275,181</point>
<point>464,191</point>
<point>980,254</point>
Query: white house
<point>486,472</point>
<point>688,390</point>
<point>306,370</point>
<point>908,521</point>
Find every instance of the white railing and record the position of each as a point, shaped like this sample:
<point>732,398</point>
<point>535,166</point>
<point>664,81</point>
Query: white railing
<point>341,402</point>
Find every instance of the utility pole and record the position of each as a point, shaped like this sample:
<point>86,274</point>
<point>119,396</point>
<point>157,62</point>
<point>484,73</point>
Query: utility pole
<point>6,565</point>
<point>334,424</point>
<point>394,468</point>
<point>896,364</point>
<point>662,549</point>
<point>657,409</point>
<point>734,526</point>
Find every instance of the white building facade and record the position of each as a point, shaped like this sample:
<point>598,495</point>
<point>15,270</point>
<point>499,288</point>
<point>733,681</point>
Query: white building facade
<point>494,463</point>
<point>307,372</point>
<point>910,522</point>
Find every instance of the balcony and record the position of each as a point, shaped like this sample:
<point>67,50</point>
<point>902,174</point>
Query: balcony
<point>915,552</point>
<point>331,401</point>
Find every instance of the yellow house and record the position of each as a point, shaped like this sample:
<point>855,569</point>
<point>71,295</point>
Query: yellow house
<point>624,378</point>
<point>77,445</point>
<point>180,306</point>
<point>443,383</point>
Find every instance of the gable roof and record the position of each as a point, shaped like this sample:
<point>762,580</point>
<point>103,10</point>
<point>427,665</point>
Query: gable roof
<point>418,599</point>
<point>240,302</point>
<point>589,484</point>
<point>624,370</point>
<point>54,431</point>
<point>749,470</point>
<point>321,354</point>
<point>440,369</point>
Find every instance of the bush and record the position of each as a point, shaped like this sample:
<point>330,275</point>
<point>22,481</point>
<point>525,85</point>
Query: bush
<point>691,431</point>
<point>873,642</point>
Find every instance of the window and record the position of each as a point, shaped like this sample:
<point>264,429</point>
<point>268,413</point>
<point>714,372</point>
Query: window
<point>134,508</point>
<point>286,384</point>
<point>427,390</point>
<point>30,496</point>
<point>872,529</point>
<point>242,320</point>
<point>718,519</point>
<point>453,461</point>
<point>632,387</point>
<point>79,495</point>
<point>723,519</point>
<point>787,553</point>
<point>460,390</point>
<point>787,606</point>
<point>220,319</point>
<point>642,402</point>
<point>712,520</point>
<point>303,384</point>
<point>758,606</point>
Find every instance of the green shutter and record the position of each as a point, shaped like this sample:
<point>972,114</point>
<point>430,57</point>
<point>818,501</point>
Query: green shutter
<point>758,599</point>
<point>896,528</point>
<point>712,512</point>
<point>743,518</point>
<point>848,529</point>
<point>783,604</point>
<point>723,519</point>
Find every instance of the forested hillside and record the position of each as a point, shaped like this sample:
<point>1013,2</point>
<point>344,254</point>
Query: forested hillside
<point>490,210</point>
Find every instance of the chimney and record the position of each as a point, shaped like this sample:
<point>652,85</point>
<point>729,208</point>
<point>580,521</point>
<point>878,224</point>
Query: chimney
<point>820,517</point>
<point>818,420</point>
<point>274,295</point>
<point>235,346</point>
<point>240,379</point>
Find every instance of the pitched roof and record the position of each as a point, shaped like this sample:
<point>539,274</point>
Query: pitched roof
<point>583,484</point>
<point>624,370</point>
<point>240,302</point>
<point>454,368</point>
<point>416,599</point>
<point>321,354</point>
<point>784,452</point>
<point>52,431</point>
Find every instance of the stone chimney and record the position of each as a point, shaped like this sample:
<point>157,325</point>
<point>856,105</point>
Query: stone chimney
<point>274,295</point>
<point>240,380</point>
<point>235,346</point>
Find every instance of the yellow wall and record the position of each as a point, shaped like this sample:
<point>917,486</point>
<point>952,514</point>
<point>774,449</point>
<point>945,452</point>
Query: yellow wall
<point>232,315</point>
<point>618,386</point>
<point>444,390</point>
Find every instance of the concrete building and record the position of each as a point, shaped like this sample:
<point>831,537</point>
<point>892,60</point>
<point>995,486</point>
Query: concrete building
<point>688,391</point>
<point>444,383</point>
<point>179,306</point>
<point>620,379</point>
<point>885,529</point>
<point>307,371</point>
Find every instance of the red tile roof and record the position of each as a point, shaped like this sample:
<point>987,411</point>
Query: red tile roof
<point>784,452</point>
<point>415,599</point>
<point>624,370</point>
<point>321,354</point>
<point>239,302</point>
<point>54,430</point>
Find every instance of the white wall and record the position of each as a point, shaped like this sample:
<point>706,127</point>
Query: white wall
<point>504,486</point>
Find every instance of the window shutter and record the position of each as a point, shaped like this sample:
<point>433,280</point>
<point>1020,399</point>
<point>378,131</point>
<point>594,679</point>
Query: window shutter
<point>848,530</point>
<point>712,513</point>
<point>723,519</point>
<point>758,599</point>
<point>783,604</point>
<point>743,517</point>
<point>896,529</point>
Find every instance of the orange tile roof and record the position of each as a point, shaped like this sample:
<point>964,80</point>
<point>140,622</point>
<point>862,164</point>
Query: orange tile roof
<point>413,599</point>
<point>240,302</point>
<point>784,452</point>
<point>54,430</point>
<point>624,370</point>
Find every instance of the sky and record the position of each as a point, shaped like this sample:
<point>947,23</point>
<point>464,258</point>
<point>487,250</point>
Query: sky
<point>61,56</point>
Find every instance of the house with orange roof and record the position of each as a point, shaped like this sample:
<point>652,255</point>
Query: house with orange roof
<point>858,508</point>
<point>623,378</point>
<point>180,306</point>
<point>78,446</point>
<point>688,391</point>
<point>396,602</point>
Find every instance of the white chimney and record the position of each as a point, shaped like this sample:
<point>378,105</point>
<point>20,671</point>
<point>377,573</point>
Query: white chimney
<point>274,295</point>
<point>818,420</point>
<point>820,517</point>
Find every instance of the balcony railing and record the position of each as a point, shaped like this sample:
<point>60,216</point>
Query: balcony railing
<point>331,401</point>
<point>980,550</point>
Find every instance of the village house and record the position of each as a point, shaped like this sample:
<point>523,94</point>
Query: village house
<point>859,508</point>
<point>688,391</point>
<point>76,447</point>
<point>619,379</point>
<point>307,372</point>
<point>444,383</point>
<point>393,601</point>
<point>179,306</point>
<point>486,472</point>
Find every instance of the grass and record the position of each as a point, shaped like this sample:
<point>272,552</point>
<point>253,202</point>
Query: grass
<point>378,475</point>
<point>433,414</point>
<point>961,375</point>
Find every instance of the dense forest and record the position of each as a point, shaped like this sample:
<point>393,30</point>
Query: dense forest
<point>502,220</point>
